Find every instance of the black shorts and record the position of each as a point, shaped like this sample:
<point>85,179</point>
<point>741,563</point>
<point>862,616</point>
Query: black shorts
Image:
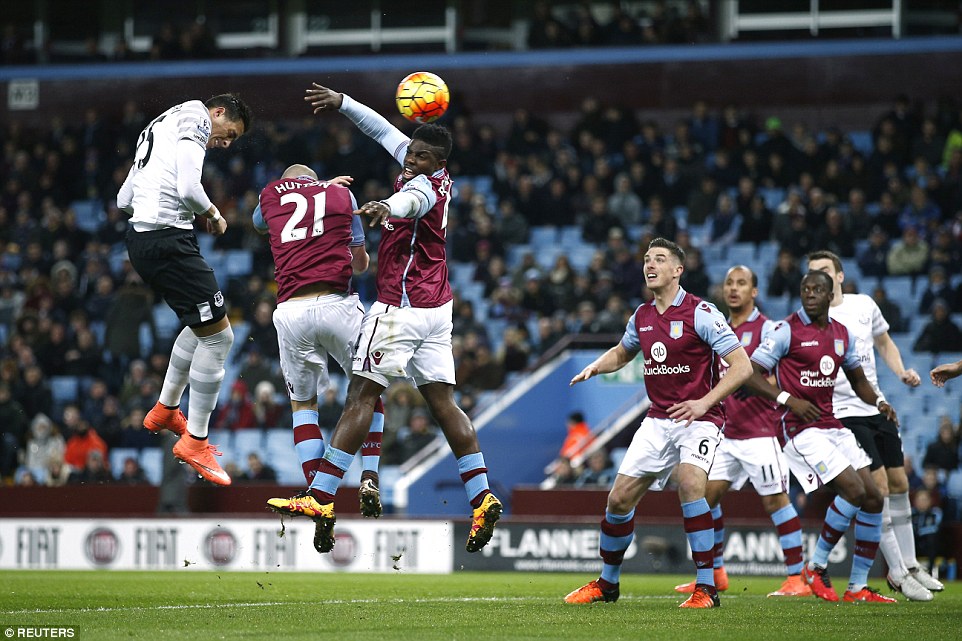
<point>880,439</point>
<point>169,261</point>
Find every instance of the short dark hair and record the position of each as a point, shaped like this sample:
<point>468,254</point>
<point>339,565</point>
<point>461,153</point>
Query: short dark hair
<point>820,274</point>
<point>824,254</point>
<point>674,248</point>
<point>235,108</point>
<point>437,136</point>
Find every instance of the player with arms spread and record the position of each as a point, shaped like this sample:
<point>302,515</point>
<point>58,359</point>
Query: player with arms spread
<point>163,194</point>
<point>750,450</point>
<point>681,337</point>
<point>805,352</point>
<point>877,435</point>
<point>407,332</point>
<point>318,245</point>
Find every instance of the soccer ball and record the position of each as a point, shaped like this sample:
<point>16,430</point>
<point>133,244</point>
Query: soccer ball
<point>422,97</point>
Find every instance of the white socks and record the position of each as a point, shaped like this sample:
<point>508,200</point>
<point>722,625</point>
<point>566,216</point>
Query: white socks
<point>206,374</point>
<point>901,511</point>
<point>889,546</point>
<point>175,381</point>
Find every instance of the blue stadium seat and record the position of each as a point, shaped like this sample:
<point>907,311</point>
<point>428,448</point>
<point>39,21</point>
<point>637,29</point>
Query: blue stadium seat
<point>152,461</point>
<point>238,262</point>
<point>90,214</point>
<point>570,236</point>
<point>146,340</point>
<point>773,197</point>
<point>862,141</point>
<point>166,321</point>
<point>64,389</point>
<point>206,243</point>
<point>543,236</point>
<point>247,441</point>
<point>279,453</point>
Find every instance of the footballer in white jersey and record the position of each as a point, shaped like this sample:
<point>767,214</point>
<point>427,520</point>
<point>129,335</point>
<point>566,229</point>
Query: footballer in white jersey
<point>162,194</point>
<point>878,436</point>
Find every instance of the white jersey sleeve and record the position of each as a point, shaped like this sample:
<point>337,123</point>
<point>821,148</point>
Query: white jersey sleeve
<point>376,126</point>
<point>164,187</point>
<point>863,319</point>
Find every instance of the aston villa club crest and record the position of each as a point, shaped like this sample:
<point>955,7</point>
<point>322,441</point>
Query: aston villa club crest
<point>747,339</point>
<point>677,327</point>
<point>839,347</point>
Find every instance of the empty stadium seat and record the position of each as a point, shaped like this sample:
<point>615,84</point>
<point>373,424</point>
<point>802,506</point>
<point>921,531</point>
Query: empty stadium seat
<point>152,462</point>
<point>64,389</point>
<point>246,441</point>
<point>165,321</point>
<point>238,262</point>
<point>543,236</point>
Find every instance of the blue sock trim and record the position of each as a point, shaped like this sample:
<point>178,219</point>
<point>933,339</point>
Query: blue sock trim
<point>377,422</point>
<point>326,483</point>
<point>784,514</point>
<point>339,458</point>
<point>470,462</point>
<point>304,417</point>
<point>619,518</point>
<point>694,508</point>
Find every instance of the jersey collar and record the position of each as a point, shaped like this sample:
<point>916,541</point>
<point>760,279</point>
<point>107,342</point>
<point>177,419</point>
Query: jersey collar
<point>805,319</point>
<point>752,316</point>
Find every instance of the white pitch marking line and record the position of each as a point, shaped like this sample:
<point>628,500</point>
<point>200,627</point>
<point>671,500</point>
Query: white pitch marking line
<point>260,604</point>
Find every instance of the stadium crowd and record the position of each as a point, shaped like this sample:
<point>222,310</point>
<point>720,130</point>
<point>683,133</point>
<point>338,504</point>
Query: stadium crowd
<point>71,307</point>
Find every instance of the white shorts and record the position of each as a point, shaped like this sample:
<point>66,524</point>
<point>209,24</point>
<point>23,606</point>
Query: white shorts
<point>816,455</point>
<point>660,444</point>
<point>757,459</point>
<point>399,342</point>
<point>308,329</point>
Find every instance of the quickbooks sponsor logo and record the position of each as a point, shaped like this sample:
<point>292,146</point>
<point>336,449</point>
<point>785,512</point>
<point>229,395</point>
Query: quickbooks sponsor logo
<point>667,369</point>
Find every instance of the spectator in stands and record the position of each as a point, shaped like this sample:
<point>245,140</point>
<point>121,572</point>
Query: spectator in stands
<point>943,452</point>
<point>563,473</point>
<point>82,439</point>
<point>515,350</point>
<point>920,212</point>
<point>238,412</point>
<point>43,443</point>
<point>93,472</point>
<point>724,223</point>
<point>756,222</point>
<point>578,437</point>
<point>940,334</point>
<point>13,429</point>
<point>927,523</point>
<point>695,279</point>
<point>132,432</point>
<point>946,252</point>
<point>598,222</point>
<point>873,259</point>
<point>624,204</point>
<point>133,306</point>
<point>33,392</point>
<point>132,473</point>
<point>330,409</point>
<point>256,369</point>
<point>511,227</point>
<point>258,471</point>
<point>420,434</point>
<point>908,255</point>
<point>268,413</point>
<point>938,288</point>
<point>834,235</point>
<point>786,278</point>
<point>262,331</point>
<point>891,312</point>
<point>598,470</point>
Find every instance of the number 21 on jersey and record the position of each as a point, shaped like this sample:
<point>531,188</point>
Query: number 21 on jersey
<point>291,231</point>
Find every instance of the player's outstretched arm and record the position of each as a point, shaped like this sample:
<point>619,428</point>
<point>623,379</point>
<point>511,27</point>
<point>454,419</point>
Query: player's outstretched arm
<point>945,372</point>
<point>611,361</point>
<point>890,353</point>
<point>323,99</point>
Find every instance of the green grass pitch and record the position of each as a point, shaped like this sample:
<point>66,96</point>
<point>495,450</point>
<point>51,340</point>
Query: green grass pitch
<point>471,606</point>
